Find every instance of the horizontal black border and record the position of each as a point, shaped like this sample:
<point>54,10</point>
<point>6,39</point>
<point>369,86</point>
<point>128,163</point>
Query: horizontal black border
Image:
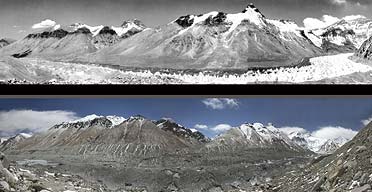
<point>215,90</point>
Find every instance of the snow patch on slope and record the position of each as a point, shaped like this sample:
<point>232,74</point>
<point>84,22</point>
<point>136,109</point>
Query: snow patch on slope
<point>93,29</point>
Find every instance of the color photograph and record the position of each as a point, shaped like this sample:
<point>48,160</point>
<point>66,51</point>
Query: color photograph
<point>253,144</point>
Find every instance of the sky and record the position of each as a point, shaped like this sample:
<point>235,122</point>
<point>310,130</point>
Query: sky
<point>18,16</point>
<point>211,116</point>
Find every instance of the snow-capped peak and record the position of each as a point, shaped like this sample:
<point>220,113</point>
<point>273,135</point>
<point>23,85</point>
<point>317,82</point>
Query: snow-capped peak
<point>251,8</point>
<point>129,25</point>
<point>267,133</point>
<point>94,30</point>
<point>315,144</point>
<point>116,120</point>
<point>87,118</point>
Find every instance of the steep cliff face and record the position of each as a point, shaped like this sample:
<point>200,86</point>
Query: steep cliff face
<point>365,51</point>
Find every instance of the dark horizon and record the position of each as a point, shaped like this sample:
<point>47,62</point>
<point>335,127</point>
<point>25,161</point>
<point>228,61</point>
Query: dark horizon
<point>17,16</point>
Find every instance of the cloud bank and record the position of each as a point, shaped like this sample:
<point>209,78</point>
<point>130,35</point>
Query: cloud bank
<point>17,121</point>
<point>334,132</point>
<point>329,132</point>
<point>218,104</point>
<point>314,23</point>
<point>220,128</point>
<point>45,24</point>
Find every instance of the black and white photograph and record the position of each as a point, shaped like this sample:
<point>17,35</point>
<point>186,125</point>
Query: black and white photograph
<point>185,42</point>
<point>253,144</point>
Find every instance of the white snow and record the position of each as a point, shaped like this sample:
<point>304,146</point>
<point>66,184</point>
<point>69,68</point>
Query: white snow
<point>250,15</point>
<point>193,130</point>
<point>353,17</point>
<point>124,29</point>
<point>199,19</point>
<point>93,29</point>
<point>235,19</point>
<point>26,135</point>
<point>265,133</point>
<point>116,120</point>
<point>317,41</point>
<point>87,118</point>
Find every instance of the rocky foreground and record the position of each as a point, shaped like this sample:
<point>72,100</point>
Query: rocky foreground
<point>15,178</point>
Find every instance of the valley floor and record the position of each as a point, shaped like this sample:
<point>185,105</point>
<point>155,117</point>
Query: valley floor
<point>326,70</point>
<point>67,175</point>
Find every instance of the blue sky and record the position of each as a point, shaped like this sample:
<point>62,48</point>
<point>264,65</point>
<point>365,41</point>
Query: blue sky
<point>308,113</point>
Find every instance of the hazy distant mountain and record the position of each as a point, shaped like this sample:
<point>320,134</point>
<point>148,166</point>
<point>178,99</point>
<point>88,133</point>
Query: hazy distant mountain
<point>315,144</point>
<point>250,136</point>
<point>12,142</point>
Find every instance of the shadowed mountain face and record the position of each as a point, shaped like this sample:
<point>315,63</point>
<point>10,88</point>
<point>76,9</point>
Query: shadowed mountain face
<point>365,51</point>
<point>347,169</point>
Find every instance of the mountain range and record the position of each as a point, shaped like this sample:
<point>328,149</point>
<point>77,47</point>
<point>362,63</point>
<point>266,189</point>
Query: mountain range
<point>71,41</point>
<point>139,135</point>
<point>214,40</point>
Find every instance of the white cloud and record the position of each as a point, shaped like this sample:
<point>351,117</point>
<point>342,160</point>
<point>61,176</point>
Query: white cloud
<point>199,126</point>
<point>314,23</point>
<point>331,132</point>
<point>217,129</point>
<point>219,104</point>
<point>353,17</point>
<point>288,130</point>
<point>221,128</point>
<point>44,24</point>
<point>339,2</point>
<point>366,121</point>
<point>15,121</point>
